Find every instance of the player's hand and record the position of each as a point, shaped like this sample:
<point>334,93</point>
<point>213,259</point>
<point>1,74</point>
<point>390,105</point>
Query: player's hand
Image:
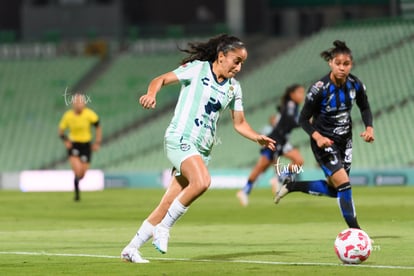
<point>368,135</point>
<point>266,141</point>
<point>96,146</point>
<point>68,144</point>
<point>324,142</point>
<point>147,101</point>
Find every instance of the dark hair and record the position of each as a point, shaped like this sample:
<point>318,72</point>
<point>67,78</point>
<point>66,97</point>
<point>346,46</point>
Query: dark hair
<point>340,48</point>
<point>286,96</point>
<point>208,51</point>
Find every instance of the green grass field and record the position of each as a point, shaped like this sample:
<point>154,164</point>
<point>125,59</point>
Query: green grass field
<point>49,234</point>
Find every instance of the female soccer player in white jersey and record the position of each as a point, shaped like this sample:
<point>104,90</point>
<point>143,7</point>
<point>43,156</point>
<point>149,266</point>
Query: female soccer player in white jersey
<point>208,87</point>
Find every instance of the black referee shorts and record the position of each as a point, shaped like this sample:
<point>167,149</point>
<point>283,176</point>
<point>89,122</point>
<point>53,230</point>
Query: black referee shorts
<point>81,150</point>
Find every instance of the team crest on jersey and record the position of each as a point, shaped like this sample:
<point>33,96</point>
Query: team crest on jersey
<point>352,93</point>
<point>185,147</point>
<point>230,93</point>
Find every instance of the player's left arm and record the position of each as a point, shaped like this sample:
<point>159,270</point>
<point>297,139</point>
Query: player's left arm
<point>243,128</point>
<point>63,125</point>
<point>95,121</point>
<point>366,114</point>
<point>98,137</point>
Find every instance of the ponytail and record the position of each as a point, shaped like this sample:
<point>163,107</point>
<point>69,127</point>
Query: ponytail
<point>339,48</point>
<point>208,51</point>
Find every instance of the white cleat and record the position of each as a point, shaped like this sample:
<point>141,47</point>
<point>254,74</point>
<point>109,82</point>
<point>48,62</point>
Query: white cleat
<point>161,235</point>
<point>243,198</point>
<point>283,190</point>
<point>132,255</point>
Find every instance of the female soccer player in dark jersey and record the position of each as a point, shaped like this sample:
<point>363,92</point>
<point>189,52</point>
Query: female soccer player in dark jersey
<point>326,117</point>
<point>79,121</point>
<point>288,120</point>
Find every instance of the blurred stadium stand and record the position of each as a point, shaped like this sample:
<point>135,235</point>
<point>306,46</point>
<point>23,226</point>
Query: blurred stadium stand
<point>133,137</point>
<point>32,106</point>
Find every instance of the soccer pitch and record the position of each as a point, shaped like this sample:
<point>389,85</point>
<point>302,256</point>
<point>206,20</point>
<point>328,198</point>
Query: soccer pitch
<point>49,234</point>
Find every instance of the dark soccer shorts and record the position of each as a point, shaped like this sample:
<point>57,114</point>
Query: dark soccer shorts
<point>333,158</point>
<point>279,151</point>
<point>82,150</point>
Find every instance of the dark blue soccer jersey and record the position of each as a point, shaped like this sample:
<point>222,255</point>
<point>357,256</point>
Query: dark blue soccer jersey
<point>330,108</point>
<point>289,114</point>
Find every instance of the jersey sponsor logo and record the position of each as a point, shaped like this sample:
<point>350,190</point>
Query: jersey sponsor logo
<point>200,123</point>
<point>205,81</point>
<point>310,95</point>
<point>314,90</point>
<point>341,130</point>
<point>342,118</point>
<point>348,155</point>
<point>213,105</point>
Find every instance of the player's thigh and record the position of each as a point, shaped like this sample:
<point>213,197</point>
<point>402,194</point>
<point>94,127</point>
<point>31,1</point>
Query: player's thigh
<point>294,155</point>
<point>76,164</point>
<point>195,171</point>
<point>263,163</point>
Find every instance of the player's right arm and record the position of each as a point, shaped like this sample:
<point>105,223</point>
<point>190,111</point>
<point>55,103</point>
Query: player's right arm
<point>61,132</point>
<point>148,100</point>
<point>310,107</point>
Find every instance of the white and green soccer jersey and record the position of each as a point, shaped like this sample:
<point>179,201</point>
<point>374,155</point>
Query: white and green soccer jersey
<point>200,103</point>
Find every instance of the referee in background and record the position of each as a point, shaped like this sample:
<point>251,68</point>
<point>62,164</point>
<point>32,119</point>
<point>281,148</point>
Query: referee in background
<point>78,121</point>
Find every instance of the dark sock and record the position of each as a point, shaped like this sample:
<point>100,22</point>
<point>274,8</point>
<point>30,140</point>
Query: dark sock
<point>315,187</point>
<point>346,204</point>
<point>76,182</point>
<point>248,187</point>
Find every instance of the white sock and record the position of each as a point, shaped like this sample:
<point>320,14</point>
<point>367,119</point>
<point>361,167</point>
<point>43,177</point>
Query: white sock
<point>144,233</point>
<point>175,211</point>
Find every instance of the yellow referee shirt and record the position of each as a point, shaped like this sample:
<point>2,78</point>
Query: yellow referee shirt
<point>79,125</point>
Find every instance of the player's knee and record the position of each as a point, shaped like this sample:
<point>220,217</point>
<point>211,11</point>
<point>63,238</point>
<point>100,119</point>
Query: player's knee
<point>80,174</point>
<point>202,184</point>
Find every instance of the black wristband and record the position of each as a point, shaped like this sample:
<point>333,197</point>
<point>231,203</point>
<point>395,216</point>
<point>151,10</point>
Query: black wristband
<point>63,137</point>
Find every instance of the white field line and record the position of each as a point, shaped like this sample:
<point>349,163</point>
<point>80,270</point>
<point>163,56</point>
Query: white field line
<point>208,260</point>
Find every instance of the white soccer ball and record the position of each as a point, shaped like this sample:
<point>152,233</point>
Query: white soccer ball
<point>353,246</point>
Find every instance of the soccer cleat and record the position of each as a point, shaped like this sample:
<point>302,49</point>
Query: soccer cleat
<point>132,255</point>
<point>243,198</point>
<point>161,235</point>
<point>283,189</point>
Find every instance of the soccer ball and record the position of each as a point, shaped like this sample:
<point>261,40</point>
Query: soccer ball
<point>353,246</point>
